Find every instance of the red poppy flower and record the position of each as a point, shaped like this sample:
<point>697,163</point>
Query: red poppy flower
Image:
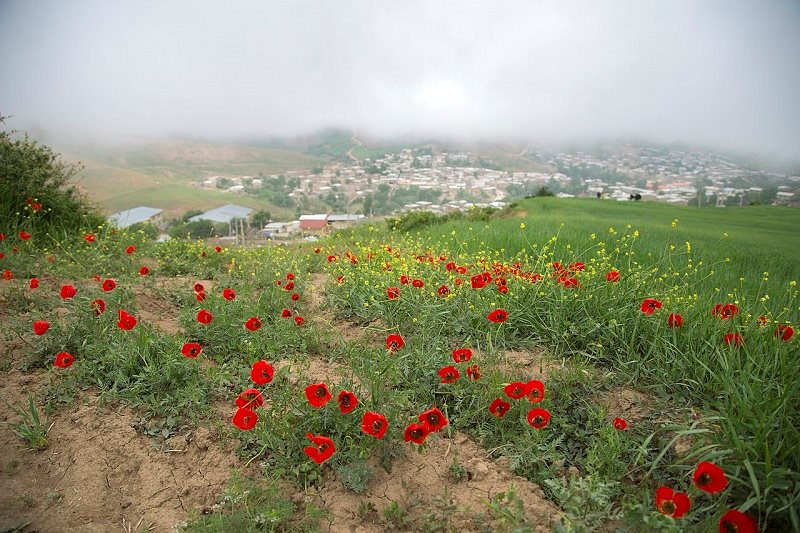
<point>218,249</point>
<point>650,305</point>
<point>474,372</point>
<point>762,320</point>
<point>200,296</point>
<point>109,285</point>
<point>393,293</point>
<point>98,306</point>
<point>34,283</point>
<point>40,327</point>
<point>204,317</point>
<point>64,360</point>
<point>710,478</point>
<point>612,277</point>
<point>449,374</point>
<point>568,281</point>
<point>374,424</point>
<point>674,320</point>
<point>670,503</point>
<point>250,399</point>
<point>286,313</point>
<point>340,279</point>
<point>89,237</point>
<point>24,235</point>
<point>289,276</point>
<point>191,350</point>
<point>289,286</point>
<point>317,250</point>
<point>67,292</point>
<point>7,275</point>
<point>130,249</point>
<point>253,323</point>
<point>738,522</point>
<point>323,448</point>
<point>331,259</point>
<point>538,417</point>
<point>126,321</point>
<point>620,424</point>
<point>497,316</point>
<point>245,419</point>
<point>443,290</point>
<point>462,355</point>
<point>725,311</point>
<point>2,237</point>
<point>784,331</point>
<point>577,266</point>
<point>394,342</point>
<point>499,407</point>
<point>478,281</point>
<point>262,372</point>
<point>502,289</point>
<point>535,391</point>
<point>516,390</point>
<point>433,418</point>
<point>347,401</point>
<point>144,271</point>
<point>416,433</point>
<point>404,280</point>
<point>734,339</point>
<point>418,283</point>
<point>299,321</point>
<point>318,394</point>
<point>229,294</point>
<point>295,297</point>
<point>198,287</point>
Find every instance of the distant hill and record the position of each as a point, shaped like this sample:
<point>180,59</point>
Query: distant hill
<point>163,174</point>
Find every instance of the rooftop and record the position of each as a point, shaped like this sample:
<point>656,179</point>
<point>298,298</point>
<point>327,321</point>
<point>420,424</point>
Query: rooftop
<point>226,213</point>
<point>129,217</point>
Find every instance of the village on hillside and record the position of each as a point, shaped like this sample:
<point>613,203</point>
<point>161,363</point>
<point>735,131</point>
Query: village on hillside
<point>423,179</point>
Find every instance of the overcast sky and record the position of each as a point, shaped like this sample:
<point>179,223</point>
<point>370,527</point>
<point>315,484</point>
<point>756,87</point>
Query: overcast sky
<point>722,73</point>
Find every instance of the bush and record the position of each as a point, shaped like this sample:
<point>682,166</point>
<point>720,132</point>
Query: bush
<point>36,189</point>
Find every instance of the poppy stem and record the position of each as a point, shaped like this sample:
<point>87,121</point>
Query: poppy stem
<point>256,455</point>
<point>22,338</point>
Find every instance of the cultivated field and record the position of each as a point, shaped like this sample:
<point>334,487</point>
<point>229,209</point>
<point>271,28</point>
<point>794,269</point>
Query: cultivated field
<point>568,365</point>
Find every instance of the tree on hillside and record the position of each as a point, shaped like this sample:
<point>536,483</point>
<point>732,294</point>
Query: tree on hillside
<point>37,188</point>
<point>261,218</point>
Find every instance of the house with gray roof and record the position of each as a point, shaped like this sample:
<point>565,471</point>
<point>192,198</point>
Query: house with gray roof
<point>129,217</point>
<point>224,214</point>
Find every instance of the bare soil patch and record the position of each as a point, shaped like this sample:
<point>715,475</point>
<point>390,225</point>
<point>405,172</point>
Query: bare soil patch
<point>629,404</point>
<point>158,311</point>
<point>422,486</point>
<point>98,472</point>
<point>534,363</point>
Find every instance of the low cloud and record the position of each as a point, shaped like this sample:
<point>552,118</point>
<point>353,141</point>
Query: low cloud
<point>723,74</point>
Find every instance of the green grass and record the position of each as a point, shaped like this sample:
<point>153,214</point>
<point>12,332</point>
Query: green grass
<point>759,238</point>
